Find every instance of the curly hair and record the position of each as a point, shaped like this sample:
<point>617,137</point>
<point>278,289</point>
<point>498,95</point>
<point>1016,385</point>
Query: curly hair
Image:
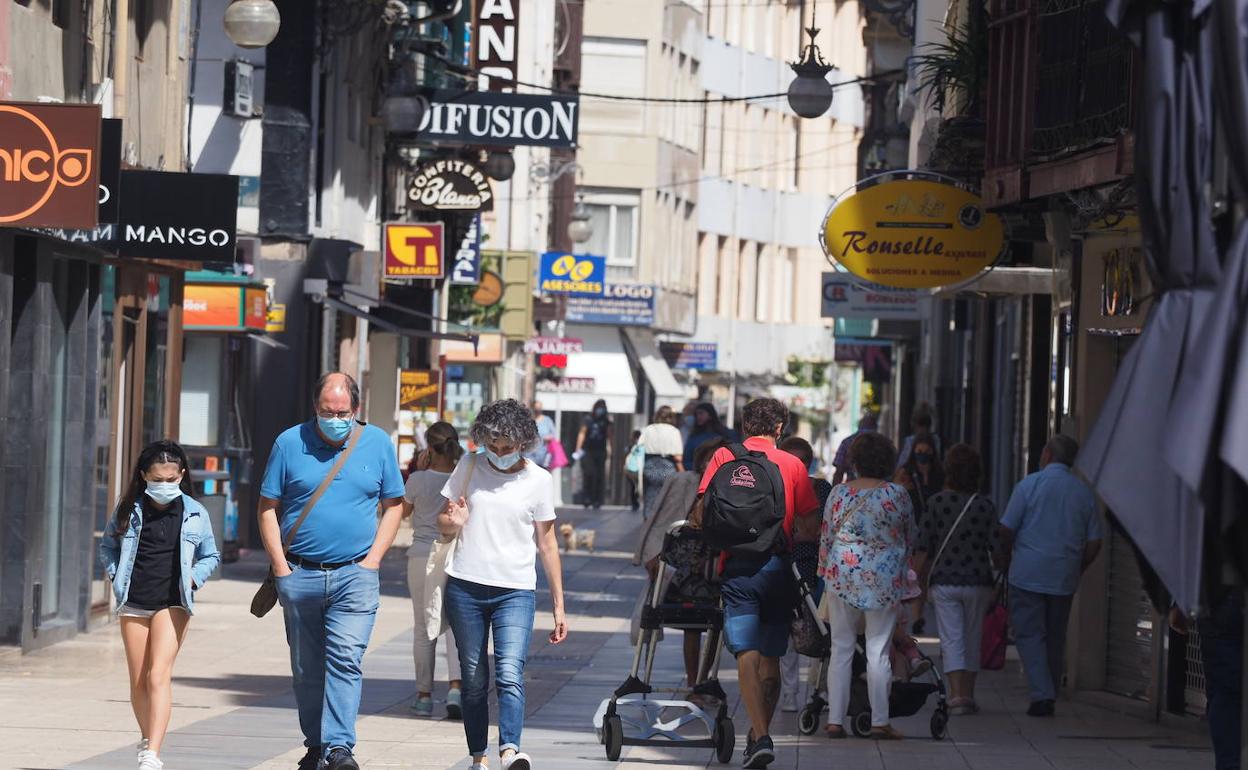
<point>962,469</point>
<point>761,416</point>
<point>507,418</point>
<point>873,456</point>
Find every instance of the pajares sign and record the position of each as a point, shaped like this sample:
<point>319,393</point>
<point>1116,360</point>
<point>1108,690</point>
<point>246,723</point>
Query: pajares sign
<point>450,185</point>
<point>49,165</point>
<point>500,119</point>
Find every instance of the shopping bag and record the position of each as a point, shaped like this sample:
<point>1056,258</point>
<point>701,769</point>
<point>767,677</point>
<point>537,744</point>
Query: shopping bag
<point>440,556</point>
<point>996,625</point>
<point>558,457</point>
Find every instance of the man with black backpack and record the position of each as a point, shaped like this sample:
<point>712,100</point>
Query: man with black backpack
<point>751,495</point>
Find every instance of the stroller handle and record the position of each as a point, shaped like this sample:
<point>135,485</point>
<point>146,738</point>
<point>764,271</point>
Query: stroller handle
<point>671,530</point>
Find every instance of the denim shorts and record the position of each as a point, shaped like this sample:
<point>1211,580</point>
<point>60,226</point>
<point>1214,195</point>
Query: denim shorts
<point>759,597</point>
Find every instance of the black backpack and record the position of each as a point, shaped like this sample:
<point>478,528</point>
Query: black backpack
<point>743,509</point>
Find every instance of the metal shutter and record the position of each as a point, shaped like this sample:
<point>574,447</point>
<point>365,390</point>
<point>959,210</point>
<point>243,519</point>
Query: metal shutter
<point>1129,653</point>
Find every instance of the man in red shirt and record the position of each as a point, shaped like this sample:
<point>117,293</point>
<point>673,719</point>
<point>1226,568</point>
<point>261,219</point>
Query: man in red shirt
<point>758,592</point>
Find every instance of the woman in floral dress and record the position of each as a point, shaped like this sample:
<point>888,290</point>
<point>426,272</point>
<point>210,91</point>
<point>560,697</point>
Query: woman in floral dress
<point>868,529</point>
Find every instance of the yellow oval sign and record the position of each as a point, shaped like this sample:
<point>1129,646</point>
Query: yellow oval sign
<point>913,234</point>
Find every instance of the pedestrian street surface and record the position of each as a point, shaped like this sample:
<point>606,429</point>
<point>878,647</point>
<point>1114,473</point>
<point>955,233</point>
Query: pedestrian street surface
<point>67,706</point>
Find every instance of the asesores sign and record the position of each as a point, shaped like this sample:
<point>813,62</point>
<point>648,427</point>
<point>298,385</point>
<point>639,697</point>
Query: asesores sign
<point>562,273</point>
<point>913,234</point>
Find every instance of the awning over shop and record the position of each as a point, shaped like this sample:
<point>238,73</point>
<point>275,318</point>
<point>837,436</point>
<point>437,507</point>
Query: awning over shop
<point>667,392</point>
<point>605,362</point>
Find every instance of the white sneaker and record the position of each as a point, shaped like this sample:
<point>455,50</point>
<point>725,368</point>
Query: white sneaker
<point>518,761</point>
<point>149,761</point>
<point>788,704</point>
<point>480,766</point>
<point>140,748</point>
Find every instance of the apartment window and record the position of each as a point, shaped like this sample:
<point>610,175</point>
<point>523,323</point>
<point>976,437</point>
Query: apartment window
<point>747,283</point>
<point>762,286</point>
<point>722,277</point>
<point>788,290</point>
<point>613,66</point>
<point>614,217</point>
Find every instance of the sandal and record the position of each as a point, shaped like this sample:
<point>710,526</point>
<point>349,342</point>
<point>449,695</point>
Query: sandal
<point>834,732</point>
<point>886,733</point>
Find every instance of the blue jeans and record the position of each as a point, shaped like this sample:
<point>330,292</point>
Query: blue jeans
<point>329,619</point>
<point>1222,650</point>
<point>1039,622</point>
<point>473,610</point>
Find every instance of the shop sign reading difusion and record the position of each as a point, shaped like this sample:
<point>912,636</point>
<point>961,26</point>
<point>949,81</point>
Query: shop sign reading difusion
<point>415,250</point>
<point>450,185</point>
<point>49,165</point>
<point>561,273</point>
<point>913,234</point>
<point>508,120</point>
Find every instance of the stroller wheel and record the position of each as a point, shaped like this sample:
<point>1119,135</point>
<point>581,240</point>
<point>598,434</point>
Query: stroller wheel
<point>940,721</point>
<point>724,740</point>
<point>613,737</point>
<point>808,721</point>
<point>862,724</point>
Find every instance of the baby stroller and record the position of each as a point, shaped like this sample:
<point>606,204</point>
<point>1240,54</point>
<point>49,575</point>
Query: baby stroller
<point>904,698</point>
<point>689,601</point>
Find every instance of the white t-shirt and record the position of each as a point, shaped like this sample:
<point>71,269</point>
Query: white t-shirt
<point>498,547</point>
<point>424,492</point>
<point>659,438</point>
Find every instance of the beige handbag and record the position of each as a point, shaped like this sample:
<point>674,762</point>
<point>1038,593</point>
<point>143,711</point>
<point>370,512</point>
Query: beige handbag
<point>440,556</point>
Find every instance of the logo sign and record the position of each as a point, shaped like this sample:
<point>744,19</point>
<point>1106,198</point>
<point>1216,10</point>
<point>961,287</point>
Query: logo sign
<point>703,356</point>
<point>913,234</point>
<point>450,185</point>
<point>495,41</point>
<point>224,307</point>
<point>414,251</point>
<point>874,356</point>
<point>509,120</point>
<point>567,385</point>
<point>621,304</point>
<point>742,477</point>
<point>419,389</point>
<point>466,267</point>
<point>561,273</point>
<point>844,297</point>
<point>554,346</point>
<point>49,165</point>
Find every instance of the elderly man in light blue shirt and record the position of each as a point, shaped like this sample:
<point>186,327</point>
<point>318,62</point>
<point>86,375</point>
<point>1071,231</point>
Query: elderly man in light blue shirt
<point>1053,532</point>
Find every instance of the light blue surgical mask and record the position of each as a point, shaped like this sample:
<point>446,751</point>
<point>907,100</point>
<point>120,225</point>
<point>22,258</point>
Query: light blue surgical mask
<point>335,428</point>
<point>502,462</point>
<point>164,492</point>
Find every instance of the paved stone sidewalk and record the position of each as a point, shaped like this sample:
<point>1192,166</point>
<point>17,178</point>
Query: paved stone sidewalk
<point>67,707</point>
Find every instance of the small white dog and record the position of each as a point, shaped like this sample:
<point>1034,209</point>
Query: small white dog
<point>576,538</point>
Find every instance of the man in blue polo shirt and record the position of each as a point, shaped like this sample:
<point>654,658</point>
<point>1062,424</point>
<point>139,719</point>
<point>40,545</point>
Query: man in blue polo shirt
<point>1053,532</point>
<point>327,581</point>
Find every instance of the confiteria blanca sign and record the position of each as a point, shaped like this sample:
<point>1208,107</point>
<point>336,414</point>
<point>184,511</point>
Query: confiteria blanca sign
<point>508,120</point>
<point>49,165</point>
<point>913,234</point>
<point>450,185</point>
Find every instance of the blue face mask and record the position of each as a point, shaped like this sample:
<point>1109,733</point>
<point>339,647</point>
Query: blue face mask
<point>502,462</point>
<point>164,492</point>
<point>335,428</point>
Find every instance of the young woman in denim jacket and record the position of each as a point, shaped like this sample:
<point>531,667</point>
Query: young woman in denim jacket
<point>157,550</point>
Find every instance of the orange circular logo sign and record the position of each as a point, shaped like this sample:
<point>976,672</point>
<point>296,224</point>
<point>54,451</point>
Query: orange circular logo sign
<point>47,160</point>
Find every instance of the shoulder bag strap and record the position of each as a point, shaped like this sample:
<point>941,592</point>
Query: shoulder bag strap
<point>940,551</point>
<point>325,482</point>
<point>472,466</point>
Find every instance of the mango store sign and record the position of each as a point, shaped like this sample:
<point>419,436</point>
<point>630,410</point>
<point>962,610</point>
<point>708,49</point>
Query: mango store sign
<point>913,234</point>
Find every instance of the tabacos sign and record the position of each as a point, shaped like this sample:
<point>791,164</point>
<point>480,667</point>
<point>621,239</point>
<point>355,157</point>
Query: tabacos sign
<point>450,185</point>
<point>561,273</point>
<point>49,165</point>
<point>912,234</point>
<point>415,250</point>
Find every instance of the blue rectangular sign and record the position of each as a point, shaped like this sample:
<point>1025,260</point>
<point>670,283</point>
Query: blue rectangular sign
<point>466,261</point>
<point>576,274</point>
<point>621,304</point>
<point>703,356</point>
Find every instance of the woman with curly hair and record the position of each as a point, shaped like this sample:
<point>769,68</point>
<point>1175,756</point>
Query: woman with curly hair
<point>501,508</point>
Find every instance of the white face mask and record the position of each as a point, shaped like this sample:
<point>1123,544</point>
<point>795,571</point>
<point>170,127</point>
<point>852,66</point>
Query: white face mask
<point>164,492</point>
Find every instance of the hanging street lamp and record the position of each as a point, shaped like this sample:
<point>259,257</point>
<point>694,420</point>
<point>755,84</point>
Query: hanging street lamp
<point>252,23</point>
<point>580,229</point>
<point>810,93</point>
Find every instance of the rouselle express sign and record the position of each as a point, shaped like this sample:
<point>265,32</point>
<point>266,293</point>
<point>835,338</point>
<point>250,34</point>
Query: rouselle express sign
<point>913,234</point>
<point>49,165</point>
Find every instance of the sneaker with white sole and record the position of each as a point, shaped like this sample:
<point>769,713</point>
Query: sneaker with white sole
<point>454,704</point>
<point>423,706</point>
<point>140,747</point>
<point>518,761</point>
<point>788,704</point>
<point>149,761</point>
